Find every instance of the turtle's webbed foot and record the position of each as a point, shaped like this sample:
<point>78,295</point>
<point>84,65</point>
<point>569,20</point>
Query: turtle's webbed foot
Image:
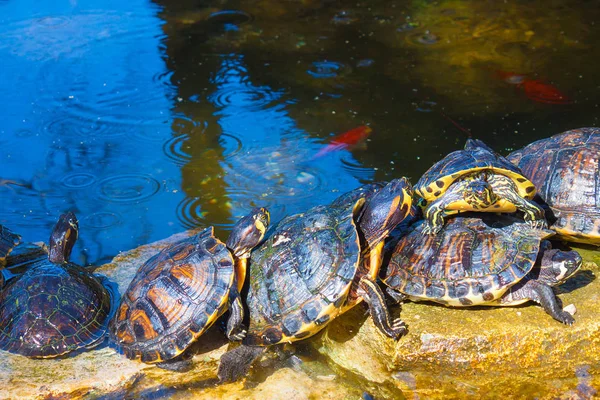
<point>431,229</point>
<point>236,335</point>
<point>399,328</point>
<point>536,223</point>
<point>566,318</point>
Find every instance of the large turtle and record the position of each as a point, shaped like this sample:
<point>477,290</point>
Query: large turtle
<point>471,262</point>
<point>314,266</point>
<point>179,293</point>
<point>475,179</point>
<point>55,306</point>
<point>566,170</point>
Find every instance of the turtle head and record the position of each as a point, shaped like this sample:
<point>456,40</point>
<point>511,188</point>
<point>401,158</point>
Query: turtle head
<point>557,266</point>
<point>248,232</point>
<point>63,238</point>
<point>479,194</point>
<point>385,210</point>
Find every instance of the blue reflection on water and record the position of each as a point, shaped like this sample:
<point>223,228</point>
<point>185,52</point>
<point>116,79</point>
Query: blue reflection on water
<point>83,122</point>
<point>90,124</point>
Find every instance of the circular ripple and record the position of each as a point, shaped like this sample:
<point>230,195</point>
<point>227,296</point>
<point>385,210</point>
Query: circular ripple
<point>70,126</point>
<point>230,17</point>
<point>53,22</point>
<point>243,96</point>
<point>425,106</point>
<point>177,148</point>
<point>426,38</point>
<point>101,220</point>
<point>128,188</point>
<point>358,170</point>
<point>78,180</point>
<point>326,69</point>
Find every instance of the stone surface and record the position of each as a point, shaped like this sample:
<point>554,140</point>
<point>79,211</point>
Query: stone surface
<point>516,352</point>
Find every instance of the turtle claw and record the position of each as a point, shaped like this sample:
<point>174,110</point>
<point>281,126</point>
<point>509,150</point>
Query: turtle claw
<point>537,223</point>
<point>237,336</point>
<point>566,318</point>
<point>399,328</point>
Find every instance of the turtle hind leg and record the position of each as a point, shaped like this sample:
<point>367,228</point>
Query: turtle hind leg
<point>236,363</point>
<point>505,188</point>
<point>181,363</point>
<point>373,295</point>
<point>544,296</point>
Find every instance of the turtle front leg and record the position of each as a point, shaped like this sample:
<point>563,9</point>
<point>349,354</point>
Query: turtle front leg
<point>543,295</point>
<point>434,212</point>
<point>505,188</point>
<point>235,328</point>
<point>373,296</point>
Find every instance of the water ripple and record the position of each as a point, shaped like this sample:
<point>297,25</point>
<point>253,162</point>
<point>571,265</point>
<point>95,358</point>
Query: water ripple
<point>327,69</point>
<point>244,96</point>
<point>101,220</point>
<point>128,188</point>
<point>78,180</point>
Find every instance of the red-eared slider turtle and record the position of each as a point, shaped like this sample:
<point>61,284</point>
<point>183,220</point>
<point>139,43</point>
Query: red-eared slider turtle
<point>180,292</point>
<point>314,266</point>
<point>475,179</point>
<point>470,263</point>
<point>566,170</point>
<point>55,306</point>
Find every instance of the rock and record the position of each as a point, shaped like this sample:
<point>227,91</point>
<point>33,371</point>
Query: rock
<point>103,372</point>
<point>482,352</point>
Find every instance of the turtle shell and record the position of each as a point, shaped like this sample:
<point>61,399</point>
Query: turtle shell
<point>476,156</point>
<point>173,298</point>
<point>468,263</point>
<point>565,169</point>
<point>8,241</point>
<point>53,309</point>
<point>301,275</point>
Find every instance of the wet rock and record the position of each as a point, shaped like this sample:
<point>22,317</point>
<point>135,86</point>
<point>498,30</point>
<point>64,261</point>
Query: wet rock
<point>480,352</point>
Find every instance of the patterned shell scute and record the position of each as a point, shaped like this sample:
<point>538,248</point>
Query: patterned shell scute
<point>52,310</point>
<point>475,157</point>
<point>565,168</point>
<point>174,297</point>
<point>301,275</point>
<point>467,263</point>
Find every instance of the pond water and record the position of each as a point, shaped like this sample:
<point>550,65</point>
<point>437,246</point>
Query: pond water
<point>150,118</point>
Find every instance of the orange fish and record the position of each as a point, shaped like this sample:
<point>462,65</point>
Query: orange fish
<point>543,92</point>
<point>535,90</point>
<point>345,140</point>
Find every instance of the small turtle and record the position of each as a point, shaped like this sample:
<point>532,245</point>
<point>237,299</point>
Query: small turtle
<point>316,265</point>
<point>179,293</point>
<point>475,179</point>
<point>8,241</point>
<point>566,170</point>
<point>55,306</point>
<point>471,263</point>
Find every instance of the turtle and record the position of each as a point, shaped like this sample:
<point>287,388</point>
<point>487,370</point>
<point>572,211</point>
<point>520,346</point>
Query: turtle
<point>55,306</point>
<point>316,265</point>
<point>8,241</point>
<point>475,179</point>
<point>473,262</point>
<point>180,292</point>
<point>566,170</point>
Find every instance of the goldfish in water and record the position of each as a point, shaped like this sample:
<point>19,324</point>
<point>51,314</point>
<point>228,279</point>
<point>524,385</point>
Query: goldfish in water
<point>535,90</point>
<point>345,140</point>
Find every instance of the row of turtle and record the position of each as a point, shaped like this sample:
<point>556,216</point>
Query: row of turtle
<point>312,267</point>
